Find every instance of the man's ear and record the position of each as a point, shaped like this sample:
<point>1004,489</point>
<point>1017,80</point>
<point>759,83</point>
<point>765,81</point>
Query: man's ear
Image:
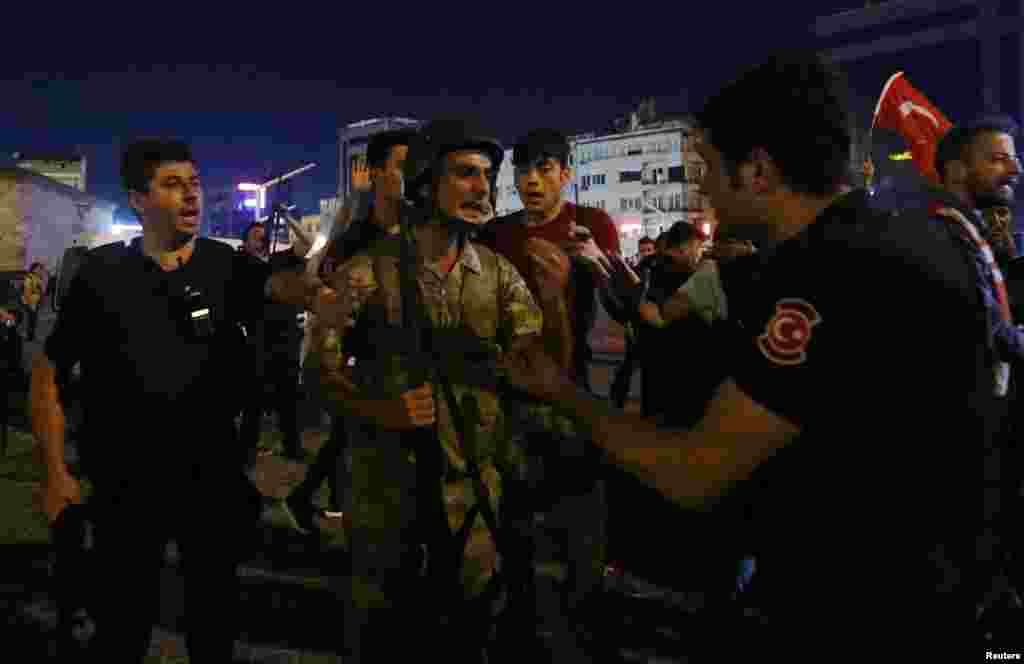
<point>764,174</point>
<point>567,175</point>
<point>135,201</point>
<point>956,171</point>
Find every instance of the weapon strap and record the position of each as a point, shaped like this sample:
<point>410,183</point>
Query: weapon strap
<point>415,317</point>
<point>430,503</point>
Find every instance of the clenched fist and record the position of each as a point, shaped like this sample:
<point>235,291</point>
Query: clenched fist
<point>551,267</point>
<point>413,409</point>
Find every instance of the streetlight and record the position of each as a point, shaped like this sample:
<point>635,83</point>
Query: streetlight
<point>261,189</point>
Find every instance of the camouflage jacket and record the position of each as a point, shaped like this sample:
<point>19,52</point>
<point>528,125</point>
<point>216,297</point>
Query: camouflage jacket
<point>481,305</point>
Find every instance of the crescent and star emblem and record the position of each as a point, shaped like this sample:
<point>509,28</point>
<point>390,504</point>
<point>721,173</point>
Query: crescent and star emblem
<point>908,107</point>
<point>787,334</point>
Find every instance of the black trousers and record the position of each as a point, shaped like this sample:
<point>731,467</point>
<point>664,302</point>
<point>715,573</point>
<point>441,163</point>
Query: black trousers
<point>212,518</point>
<point>281,373</point>
<point>329,465</point>
<point>31,321</point>
<point>624,374</point>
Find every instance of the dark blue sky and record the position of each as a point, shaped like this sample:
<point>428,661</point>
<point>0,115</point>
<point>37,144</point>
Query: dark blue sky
<point>515,65</point>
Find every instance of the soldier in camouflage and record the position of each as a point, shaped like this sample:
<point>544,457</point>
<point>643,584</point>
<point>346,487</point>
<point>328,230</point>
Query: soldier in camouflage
<point>475,305</point>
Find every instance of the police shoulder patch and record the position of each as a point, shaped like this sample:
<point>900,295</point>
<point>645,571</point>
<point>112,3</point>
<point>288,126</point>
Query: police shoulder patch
<point>788,333</point>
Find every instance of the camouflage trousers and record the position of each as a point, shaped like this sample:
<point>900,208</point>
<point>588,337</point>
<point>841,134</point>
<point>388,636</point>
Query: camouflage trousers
<point>391,606</point>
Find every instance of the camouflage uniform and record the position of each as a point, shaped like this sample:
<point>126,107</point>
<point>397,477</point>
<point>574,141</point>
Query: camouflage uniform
<point>486,297</point>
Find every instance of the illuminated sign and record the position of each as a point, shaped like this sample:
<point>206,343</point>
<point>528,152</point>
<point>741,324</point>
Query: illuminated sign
<point>250,202</point>
<point>901,156</point>
<point>248,186</point>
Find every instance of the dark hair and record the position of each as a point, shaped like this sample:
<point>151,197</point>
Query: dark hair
<point>248,229</point>
<point>958,140</point>
<point>679,234</point>
<point>646,240</point>
<point>795,107</point>
<point>541,144</point>
<point>379,149</point>
<point>142,158</point>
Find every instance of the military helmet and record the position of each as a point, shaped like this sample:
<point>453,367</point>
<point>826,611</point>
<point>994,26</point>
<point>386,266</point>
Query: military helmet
<point>434,141</point>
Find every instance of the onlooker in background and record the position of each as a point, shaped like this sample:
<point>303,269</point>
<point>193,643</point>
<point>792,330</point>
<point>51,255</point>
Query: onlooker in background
<point>32,295</point>
<point>624,374</point>
<point>11,344</point>
<point>274,342</point>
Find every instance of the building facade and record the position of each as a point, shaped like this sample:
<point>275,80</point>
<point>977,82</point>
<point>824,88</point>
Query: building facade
<point>69,169</point>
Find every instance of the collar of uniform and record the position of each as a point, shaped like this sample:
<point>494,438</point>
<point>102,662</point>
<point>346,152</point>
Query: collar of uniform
<point>470,258</point>
<point>842,208</point>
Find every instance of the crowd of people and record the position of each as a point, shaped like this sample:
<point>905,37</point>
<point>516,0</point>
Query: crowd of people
<point>828,396</point>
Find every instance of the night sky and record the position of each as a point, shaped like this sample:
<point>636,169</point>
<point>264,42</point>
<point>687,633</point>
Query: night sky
<point>515,65</point>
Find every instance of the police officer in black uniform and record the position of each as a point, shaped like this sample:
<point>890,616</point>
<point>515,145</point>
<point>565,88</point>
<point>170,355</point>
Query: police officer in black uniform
<point>155,328</point>
<point>848,427</point>
<point>275,341</point>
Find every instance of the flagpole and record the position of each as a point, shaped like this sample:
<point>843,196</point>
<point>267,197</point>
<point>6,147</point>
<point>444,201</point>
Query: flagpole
<point>871,129</point>
<point>881,97</point>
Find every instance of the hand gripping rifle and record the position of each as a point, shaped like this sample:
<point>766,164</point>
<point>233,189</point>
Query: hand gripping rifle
<point>445,550</point>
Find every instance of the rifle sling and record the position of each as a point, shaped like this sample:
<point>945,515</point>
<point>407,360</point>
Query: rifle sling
<point>428,448</point>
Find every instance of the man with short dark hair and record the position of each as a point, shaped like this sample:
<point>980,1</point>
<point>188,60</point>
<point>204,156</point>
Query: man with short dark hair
<point>274,340</point>
<point>588,235</point>
<point>155,326</point>
<point>385,156</point>
<point>645,247</point>
<point>979,170</point>
<point>833,403</point>
<point>540,240</point>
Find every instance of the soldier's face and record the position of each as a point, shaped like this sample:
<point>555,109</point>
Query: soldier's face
<point>464,188</point>
<point>992,170</point>
<point>540,185</point>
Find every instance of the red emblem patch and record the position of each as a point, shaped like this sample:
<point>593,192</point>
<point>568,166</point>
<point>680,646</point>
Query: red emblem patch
<point>787,334</point>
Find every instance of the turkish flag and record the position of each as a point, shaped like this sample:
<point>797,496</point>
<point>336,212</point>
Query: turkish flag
<point>902,108</point>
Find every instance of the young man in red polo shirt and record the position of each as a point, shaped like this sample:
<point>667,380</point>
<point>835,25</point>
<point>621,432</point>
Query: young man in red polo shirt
<point>587,235</point>
<point>566,253</point>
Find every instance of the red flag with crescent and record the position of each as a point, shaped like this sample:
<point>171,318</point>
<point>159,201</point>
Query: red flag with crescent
<point>904,109</point>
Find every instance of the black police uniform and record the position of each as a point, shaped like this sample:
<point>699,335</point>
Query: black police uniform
<point>276,343</point>
<point>159,368</point>
<point>867,332</point>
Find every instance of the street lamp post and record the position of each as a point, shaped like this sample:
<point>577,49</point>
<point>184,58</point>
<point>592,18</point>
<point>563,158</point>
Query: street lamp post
<point>261,189</point>
<point>261,201</point>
